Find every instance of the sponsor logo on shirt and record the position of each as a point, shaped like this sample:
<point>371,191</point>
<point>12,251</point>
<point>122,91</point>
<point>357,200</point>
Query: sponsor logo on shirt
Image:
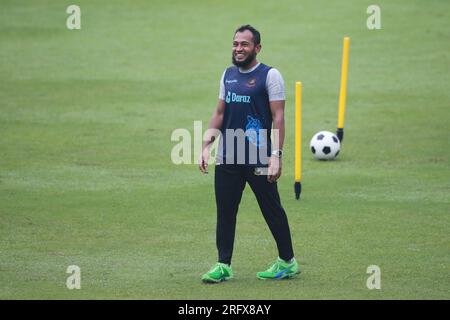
<point>231,81</point>
<point>233,97</point>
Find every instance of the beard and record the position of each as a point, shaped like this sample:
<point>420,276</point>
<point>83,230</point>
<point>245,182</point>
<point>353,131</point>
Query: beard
<point>245,63</point>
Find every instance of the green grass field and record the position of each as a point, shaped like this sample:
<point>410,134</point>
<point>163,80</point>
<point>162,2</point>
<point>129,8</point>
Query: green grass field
<point>86,176</point>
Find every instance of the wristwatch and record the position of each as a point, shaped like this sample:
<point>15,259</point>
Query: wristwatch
<point>277,153</point>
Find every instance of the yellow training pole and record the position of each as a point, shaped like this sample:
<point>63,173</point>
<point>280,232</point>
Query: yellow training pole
<point>298,140</point>
<point>343,91</point>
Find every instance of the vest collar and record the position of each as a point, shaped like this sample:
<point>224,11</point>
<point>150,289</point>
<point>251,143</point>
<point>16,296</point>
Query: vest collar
<point>250,70</point>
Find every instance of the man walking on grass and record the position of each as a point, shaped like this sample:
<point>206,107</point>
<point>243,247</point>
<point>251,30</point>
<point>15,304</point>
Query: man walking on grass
<point>251,100</point>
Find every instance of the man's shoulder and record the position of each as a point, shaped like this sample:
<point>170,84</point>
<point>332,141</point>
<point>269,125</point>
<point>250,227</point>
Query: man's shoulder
<point>274,72</point>
<point>229,71</point>
<point>231,68</point>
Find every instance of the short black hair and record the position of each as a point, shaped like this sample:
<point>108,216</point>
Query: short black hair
<point>255,33</point>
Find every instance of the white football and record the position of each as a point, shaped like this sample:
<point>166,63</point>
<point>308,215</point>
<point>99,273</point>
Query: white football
<point>325,145</point>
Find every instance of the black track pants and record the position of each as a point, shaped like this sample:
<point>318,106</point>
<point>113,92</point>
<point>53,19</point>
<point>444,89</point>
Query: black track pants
<point>229,183</point>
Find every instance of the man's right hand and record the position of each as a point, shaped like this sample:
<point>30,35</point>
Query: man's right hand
<point>203,160</point>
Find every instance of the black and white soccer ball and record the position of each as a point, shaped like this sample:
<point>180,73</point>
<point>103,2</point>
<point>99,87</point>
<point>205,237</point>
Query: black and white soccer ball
<point>325,145</point>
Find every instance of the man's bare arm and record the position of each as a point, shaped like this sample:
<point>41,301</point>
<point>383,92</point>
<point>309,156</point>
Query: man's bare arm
<point>215,123</point>
<point>277,110</point>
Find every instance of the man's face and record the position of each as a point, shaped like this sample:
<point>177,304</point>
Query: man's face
<point>244,50</point>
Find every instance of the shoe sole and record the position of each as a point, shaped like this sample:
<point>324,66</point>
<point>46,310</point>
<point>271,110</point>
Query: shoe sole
<point>284,277</point>
<point>213,281</point>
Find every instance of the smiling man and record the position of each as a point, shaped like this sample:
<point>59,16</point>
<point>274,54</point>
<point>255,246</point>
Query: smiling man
<point>251,102</point>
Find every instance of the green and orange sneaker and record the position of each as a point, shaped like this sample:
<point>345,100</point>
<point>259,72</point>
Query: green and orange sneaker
<point>220,272</point>
<point>280,270</point>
